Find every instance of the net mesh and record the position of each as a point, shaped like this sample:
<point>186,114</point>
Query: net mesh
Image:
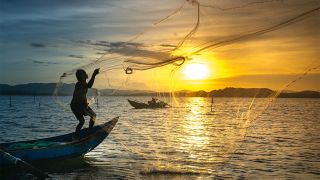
<point>203,33</point>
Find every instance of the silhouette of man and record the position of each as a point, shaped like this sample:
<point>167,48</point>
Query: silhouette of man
<point>79,104</point>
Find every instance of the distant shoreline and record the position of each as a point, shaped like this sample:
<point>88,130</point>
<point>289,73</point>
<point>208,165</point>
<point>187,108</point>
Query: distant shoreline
<point>47,89</point>
<point>282,97</point>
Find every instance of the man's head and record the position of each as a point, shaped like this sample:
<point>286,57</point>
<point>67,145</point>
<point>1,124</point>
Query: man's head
<point>81,75</point>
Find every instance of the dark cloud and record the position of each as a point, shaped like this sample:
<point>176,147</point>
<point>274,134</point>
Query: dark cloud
<point>168,45</point>
<point>76,56</point>
<point>135,51</point>
<point>44,62</point>
<point>129,49</point>
<point>37,45</point>
<point>122,44</point>
<point>108,44</point>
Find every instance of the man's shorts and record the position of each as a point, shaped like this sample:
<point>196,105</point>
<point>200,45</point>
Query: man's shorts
<point>81,110</point>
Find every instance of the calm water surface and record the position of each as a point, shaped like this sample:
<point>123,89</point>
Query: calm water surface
<point>240,138</point>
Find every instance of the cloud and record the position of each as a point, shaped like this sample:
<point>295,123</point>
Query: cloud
<point>37,45</point>
<point>168,45</point>
<point>76,56</point>
<point>109,44</point>
<point>44,62</point>
<point>128,49</point>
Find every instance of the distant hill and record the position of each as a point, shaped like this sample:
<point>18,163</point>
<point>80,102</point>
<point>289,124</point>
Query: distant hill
<point>242,92</point>
<point>302,94</point>
<point>117,92</point>
<point>35,89</point>
<point>27,89</point>
<point>249,92</point>
<point>67,90</point>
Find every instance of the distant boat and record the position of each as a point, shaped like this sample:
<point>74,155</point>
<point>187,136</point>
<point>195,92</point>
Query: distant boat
<point>141,105</point>
<point>58,147</point>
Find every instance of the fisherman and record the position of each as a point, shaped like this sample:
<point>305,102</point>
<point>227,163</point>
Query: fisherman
<point>153,102</point>
<point>79,104</point>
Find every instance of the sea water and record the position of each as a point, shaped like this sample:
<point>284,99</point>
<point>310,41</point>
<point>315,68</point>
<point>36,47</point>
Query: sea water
<point>239,138</point>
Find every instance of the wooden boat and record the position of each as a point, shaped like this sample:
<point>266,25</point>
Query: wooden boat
<point>141,105</point>
<point>58,147</point>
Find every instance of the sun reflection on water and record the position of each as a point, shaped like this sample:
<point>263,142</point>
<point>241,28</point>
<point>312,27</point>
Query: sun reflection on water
<point>193,125</point>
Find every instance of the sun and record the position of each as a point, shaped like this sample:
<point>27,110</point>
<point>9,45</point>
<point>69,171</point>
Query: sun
<point>196,71</point>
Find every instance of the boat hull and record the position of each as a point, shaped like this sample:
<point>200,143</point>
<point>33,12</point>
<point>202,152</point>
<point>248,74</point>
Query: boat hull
<point>140,105</point>
<point>59,147</point>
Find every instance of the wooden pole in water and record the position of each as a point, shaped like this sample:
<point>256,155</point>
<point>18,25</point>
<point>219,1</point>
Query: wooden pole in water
<point>211,103</point>
<point>10,102</point>
<point>97,102</point>
<point>97,93</point>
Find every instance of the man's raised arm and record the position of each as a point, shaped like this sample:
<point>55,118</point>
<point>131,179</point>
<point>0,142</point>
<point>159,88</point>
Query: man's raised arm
<point>91,81</point>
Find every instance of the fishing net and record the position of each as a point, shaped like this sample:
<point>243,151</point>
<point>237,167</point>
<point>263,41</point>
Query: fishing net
<point>224,35</point>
